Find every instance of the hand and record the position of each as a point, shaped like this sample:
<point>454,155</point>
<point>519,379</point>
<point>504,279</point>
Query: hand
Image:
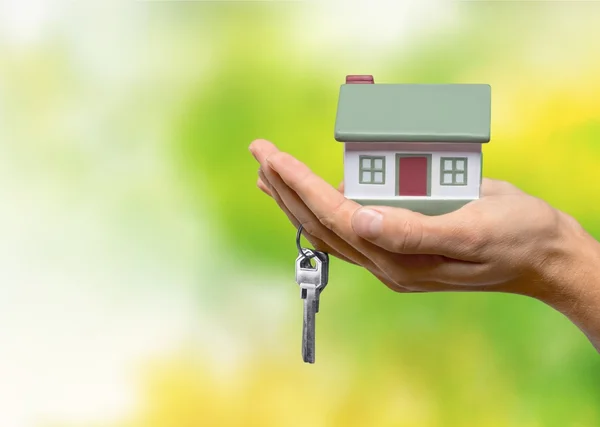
<point>505,241</point>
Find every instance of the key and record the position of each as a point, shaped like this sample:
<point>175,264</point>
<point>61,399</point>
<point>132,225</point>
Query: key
<point>312,281</point>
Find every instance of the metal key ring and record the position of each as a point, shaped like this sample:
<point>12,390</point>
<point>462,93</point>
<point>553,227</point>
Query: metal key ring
<point>304,251</point>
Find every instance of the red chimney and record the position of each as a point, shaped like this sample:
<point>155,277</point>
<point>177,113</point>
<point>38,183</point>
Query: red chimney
<point>359,79</point>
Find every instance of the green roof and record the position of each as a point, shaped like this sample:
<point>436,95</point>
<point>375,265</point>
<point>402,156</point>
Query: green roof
<point>413,113</point>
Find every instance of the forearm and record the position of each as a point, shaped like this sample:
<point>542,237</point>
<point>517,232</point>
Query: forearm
<point>574,281</point>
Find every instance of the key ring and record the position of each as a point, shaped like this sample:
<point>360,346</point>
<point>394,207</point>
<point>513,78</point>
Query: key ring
<point>308,254</point>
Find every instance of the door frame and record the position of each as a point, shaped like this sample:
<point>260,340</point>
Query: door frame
<point>429,160</point>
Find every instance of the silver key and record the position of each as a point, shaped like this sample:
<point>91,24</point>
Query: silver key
<point>312,281</point>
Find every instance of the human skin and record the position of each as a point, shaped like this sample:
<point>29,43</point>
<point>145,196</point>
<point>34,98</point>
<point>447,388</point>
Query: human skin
<point>506,241</point>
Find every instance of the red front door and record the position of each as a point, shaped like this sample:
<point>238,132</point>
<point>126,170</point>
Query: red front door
<point>412,176</point>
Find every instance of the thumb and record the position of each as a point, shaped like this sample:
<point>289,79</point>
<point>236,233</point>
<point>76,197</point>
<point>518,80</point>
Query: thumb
<point>406,232</point>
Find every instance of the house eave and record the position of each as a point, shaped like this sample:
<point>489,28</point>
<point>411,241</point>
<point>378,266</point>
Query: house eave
<point>416,138</point>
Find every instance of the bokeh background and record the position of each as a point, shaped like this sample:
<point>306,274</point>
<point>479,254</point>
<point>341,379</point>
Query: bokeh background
<point>146,282</point>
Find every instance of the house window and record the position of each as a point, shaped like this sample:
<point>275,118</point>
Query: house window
<point>453,171</point>
<point>371,170</point>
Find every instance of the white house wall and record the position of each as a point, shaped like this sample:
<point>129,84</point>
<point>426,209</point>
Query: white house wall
<point>354,189</point>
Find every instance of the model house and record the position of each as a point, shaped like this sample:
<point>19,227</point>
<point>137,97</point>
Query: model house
<point>416,146</point>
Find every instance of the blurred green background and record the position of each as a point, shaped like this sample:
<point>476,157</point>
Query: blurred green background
<point>147,281</point>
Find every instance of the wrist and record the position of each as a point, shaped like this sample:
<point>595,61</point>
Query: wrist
<point>570,277</point>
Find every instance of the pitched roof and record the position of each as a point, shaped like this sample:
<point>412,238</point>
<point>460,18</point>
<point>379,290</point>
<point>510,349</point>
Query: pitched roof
<point>414,113</point>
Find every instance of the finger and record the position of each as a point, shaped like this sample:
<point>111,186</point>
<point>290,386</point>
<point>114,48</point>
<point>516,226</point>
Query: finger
<point>390,283</point>
<point>319,200</point>
<point>298,213</point>
<point>405,232</point>
<point>456,274</point>
<point>495,187</point>
<point>298,210</point>
<point>341,187</point>
<point>316,242</point>
<point>261,150</point>
<point>323,202</point>
<point>338,213</point>
<point>263,187</point>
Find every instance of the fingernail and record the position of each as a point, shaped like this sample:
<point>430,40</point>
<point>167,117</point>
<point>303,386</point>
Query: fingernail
<point>367,223</point>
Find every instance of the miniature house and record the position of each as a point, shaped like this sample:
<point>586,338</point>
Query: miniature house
<point>416,146</point>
